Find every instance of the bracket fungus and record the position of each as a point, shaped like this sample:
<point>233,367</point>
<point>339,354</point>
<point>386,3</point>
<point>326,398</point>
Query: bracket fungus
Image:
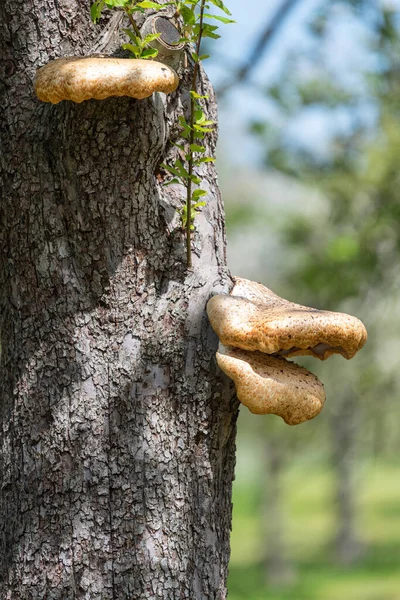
<point>258,330</point>
<point>78,79</point>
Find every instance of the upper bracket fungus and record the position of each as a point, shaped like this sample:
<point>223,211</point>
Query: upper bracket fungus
<point>80,79</point>
<point>258,330</point>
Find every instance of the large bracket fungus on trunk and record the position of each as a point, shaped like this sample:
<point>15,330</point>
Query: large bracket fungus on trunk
<point>78,79</point>
<point>258,330</point>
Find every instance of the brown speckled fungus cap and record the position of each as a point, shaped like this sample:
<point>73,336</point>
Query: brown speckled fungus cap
<point>269,385</point>
<point>254,318</point>
<point>80,79</point>
<point>258,330</point>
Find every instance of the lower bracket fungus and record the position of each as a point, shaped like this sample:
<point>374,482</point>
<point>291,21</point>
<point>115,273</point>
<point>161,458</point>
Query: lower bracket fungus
<point>258,330</point>
<point>78,79</point>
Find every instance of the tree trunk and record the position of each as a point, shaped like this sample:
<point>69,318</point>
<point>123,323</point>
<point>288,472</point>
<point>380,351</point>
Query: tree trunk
<point>117,432</point>
<point>348,546</point>
<point>279,569</point>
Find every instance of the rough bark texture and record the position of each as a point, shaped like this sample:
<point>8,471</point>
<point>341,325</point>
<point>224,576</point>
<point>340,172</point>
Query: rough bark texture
<point>117,432</point>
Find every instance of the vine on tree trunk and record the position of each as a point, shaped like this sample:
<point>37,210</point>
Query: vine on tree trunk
<point>192,16</point>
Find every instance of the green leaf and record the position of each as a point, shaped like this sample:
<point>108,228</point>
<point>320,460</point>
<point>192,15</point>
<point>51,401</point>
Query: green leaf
<point>198,205</point>
<point>211,35</point>
<point>175,180</point>
<point>196,95</point>
<point>202,129</point>
<point>171,170</point>
<point>199,116</point>
<point>96,9</point>
<point>208,27</point>
<point>221,5</point>
<point>149,53</point>
<point>94,13</point>
<point>208,31</point>
<point>134,49</point>
<point>205,159</point>
<point>181,169</point>
<point>218,18</point>
<point>197,148</point>
<point>198,194</point>
<point>183,213</point>
<point>188,15</point>
<point>113,3</point>
<point>204,57</point>
<point>186,127</point>
<point>179,146</point>
<point>150,38</point>
<point>148,4</point>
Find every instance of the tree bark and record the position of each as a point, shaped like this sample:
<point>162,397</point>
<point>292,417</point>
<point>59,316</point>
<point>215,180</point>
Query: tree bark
<point>117,432</point>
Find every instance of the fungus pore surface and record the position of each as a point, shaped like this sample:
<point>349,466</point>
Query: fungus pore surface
<point>258,330</point>
<point>80,79</point>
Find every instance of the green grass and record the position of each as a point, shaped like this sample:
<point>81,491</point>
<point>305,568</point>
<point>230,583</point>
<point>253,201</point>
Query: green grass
<point>310,528</point>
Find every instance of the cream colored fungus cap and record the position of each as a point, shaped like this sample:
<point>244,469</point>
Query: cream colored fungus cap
<point>254,318</point>
<point>80,79</point>
<point>270,385</point>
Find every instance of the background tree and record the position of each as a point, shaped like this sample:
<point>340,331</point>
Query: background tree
<point>352,252</point>
<point>330,130</point>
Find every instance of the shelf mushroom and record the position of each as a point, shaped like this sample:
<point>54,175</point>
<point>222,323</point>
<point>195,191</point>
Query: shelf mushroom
<point>78,79</point>
<point>258,330</point>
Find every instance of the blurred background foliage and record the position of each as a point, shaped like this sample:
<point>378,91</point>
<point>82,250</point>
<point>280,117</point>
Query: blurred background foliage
<point>311,180</point>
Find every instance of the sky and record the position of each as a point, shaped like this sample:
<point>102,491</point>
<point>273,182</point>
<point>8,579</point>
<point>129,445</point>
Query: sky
<point>236,39</point>
<point>344,55</point>
<point>242,103</point>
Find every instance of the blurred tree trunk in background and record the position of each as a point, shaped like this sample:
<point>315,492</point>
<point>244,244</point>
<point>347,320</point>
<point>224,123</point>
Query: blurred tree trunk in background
<point>278,568</point>
<point>348,546</point>
<point>117,438</point>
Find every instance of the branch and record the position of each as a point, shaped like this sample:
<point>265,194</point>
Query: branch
<point>133,23</point>
<point>260,47</point>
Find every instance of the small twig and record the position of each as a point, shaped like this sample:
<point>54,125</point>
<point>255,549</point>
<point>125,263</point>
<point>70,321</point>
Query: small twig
<point>133,23</point>
<point>192,140</point>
